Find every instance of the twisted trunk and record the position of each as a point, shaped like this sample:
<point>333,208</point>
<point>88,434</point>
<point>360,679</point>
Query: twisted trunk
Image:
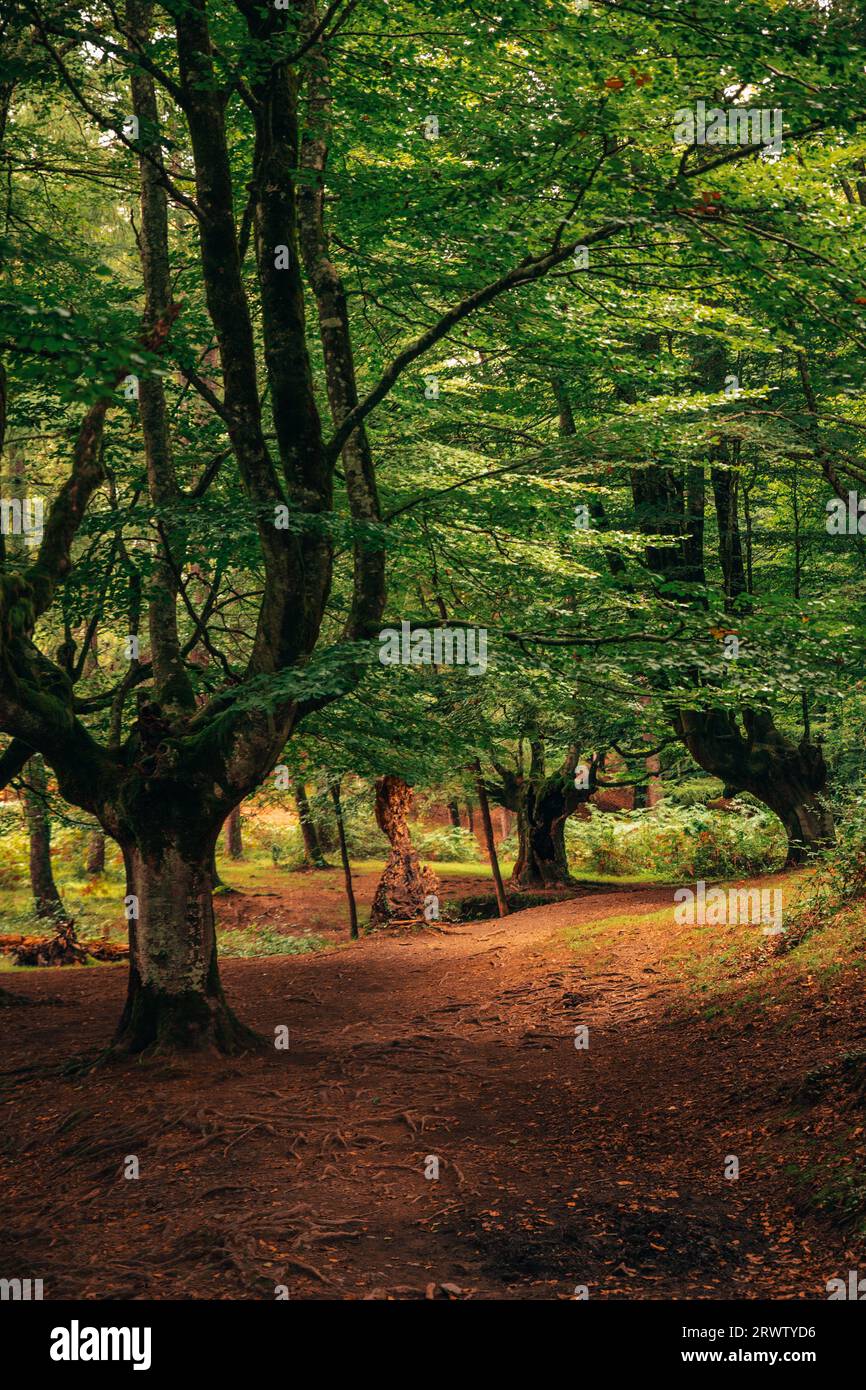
<point>405,884</point>
<point>543,804</point>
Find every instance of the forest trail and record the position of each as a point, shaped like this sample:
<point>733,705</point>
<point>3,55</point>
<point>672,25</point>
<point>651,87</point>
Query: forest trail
<point>558,1167</point>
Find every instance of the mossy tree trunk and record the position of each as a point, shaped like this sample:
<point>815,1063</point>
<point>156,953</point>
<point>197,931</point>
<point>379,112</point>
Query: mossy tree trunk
<point>167,820</point>
<point>542,803</point>
<point>313,853</point>
<point>34,795</point>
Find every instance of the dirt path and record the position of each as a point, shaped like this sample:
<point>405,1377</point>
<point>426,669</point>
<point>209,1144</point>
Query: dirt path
<point>558,1167</point>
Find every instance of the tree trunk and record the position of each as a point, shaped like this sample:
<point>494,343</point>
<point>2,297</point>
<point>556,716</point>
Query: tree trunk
<point>313,855</point>
<point>234,835</point>
<point>95,861</point>
<point>46,897</point>
<point>808,823</point>
<point>405,884</point>
<point>454,814</point>
<point>484,804</point>
<point>175,999</point>
<point>541,858</point>
<point>216,882</point>
<point>543,806</point>
<point>344,857</point>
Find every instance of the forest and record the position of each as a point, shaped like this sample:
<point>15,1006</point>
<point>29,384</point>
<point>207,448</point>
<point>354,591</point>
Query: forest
<point>432,704</point>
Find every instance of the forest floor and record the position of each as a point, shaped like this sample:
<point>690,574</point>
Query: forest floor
<point>558,1167</point>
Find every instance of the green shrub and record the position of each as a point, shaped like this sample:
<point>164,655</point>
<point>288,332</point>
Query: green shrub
<point>265,941</point>
<point>449,843</point>
<point>678,842</point>
<point>696,791</point>
<point>364,838</point>
<point>14,850</point>
<point>508,846</point>
<point>840,881</point>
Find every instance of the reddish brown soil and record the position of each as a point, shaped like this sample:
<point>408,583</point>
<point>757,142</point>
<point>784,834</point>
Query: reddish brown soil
<point>314,900</point>
<point>558,1167</point>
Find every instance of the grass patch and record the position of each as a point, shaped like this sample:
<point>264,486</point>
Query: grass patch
<point>595,933</point>
<point>255,941</point>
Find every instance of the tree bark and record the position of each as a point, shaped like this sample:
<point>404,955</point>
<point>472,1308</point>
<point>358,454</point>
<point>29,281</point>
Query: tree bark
<point>454,814</point>
<point>95,861</point>
<point>501,900</point>
<point>46,897</point>
<point>234,835</point>
<point>175,999</point>
<point>344,857</point>
<point>405,884</point>
<point>313,854</point>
